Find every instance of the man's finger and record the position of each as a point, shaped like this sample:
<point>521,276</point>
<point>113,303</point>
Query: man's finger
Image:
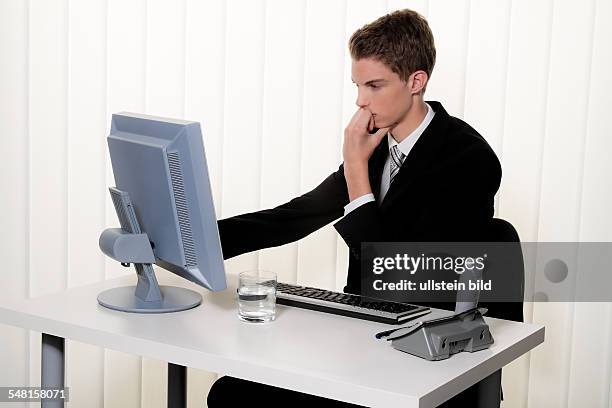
<point>362,118</point>
<point>367,118</point>
<point>357,119</point>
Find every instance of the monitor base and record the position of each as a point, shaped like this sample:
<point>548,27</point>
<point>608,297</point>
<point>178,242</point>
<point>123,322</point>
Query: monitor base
<point>174,299</point>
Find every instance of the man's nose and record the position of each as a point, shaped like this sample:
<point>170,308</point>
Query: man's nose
<point>361,101</point>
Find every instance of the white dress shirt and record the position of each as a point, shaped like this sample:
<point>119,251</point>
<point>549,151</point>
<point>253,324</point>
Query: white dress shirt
<point>405,147</point>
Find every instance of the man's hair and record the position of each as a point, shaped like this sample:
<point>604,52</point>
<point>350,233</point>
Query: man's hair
<point>402,40</point>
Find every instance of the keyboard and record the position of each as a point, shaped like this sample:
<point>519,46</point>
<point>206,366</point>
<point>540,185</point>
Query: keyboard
<point>345,304</point>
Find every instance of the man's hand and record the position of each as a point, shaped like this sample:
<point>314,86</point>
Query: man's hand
<point>358,146</point>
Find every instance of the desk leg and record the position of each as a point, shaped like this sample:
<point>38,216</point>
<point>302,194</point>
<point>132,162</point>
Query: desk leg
<point>489,391</point>
<point>177,386</point>
<point>52,367</point>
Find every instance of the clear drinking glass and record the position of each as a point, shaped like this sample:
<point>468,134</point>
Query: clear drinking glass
<point>257,296</point>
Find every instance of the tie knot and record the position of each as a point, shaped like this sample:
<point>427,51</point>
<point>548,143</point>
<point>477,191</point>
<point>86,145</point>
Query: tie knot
<point>397,157</point>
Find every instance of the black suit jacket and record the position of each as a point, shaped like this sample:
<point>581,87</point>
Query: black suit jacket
<point>443,192</point>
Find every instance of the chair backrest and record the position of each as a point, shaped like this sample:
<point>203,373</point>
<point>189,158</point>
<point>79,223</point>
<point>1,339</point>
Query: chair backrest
<point>502,231</point>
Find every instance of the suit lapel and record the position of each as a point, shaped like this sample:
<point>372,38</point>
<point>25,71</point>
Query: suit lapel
<point>421,155</point>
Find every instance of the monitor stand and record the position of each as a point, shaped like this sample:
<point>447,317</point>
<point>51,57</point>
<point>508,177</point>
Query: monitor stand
<point>148,297</point>
<point>129,245</point>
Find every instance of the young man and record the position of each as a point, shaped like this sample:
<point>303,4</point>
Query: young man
<point>411,172</point>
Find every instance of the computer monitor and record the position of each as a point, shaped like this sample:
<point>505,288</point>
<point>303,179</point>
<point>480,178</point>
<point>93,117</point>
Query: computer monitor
<point>163,200</point>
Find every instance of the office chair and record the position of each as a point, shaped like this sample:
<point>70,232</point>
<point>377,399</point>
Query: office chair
<point>507,272</point>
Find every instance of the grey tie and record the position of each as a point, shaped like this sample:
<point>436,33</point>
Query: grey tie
<point>397,158</point>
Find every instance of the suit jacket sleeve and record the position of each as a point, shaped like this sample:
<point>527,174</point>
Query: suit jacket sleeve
<point>286,223</point>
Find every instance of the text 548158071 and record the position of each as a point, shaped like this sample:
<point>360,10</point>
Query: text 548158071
<point>21,394</point>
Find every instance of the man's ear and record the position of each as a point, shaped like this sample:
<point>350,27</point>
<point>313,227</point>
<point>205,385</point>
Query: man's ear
<point>419,82</point>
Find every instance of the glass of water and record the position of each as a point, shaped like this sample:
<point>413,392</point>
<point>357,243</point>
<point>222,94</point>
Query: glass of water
<point>257,296</point>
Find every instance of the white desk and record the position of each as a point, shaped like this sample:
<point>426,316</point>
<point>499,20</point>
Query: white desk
<point>316,353</point>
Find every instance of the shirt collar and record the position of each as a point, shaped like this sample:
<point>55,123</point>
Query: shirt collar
<point>406,145</point>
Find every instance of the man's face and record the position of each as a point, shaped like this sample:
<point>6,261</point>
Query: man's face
<point>381,91</point>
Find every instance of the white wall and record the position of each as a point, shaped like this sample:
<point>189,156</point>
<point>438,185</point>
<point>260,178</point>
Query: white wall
<point>269,81</point>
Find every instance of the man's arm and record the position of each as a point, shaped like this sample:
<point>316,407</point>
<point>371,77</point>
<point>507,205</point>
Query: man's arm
<point>286,223</point>
<point>358,146</point>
